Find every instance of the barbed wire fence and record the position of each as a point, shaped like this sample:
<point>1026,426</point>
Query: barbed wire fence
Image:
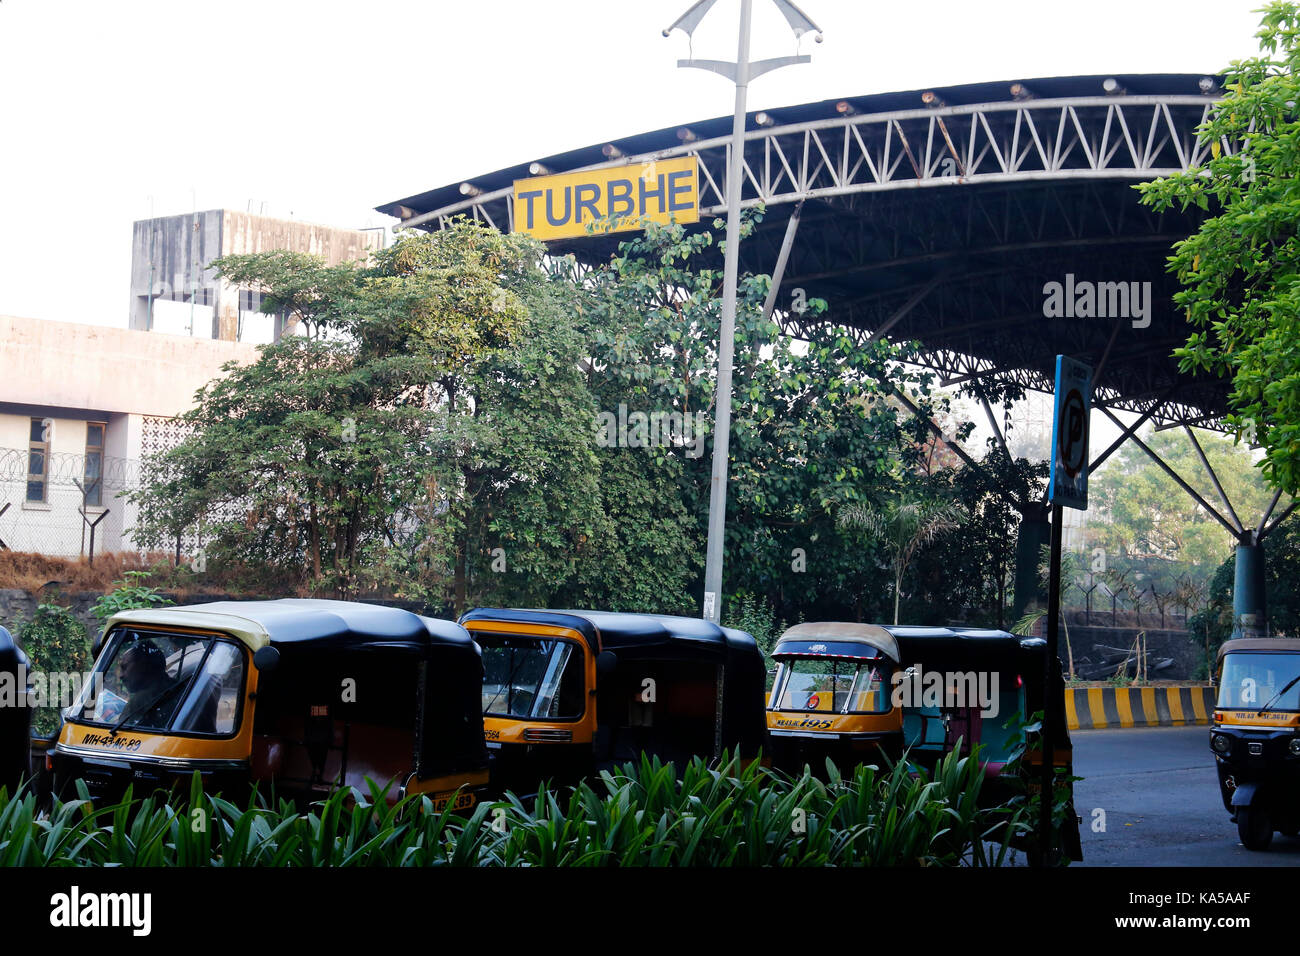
<point>61,519</point>
<point>65,521</point>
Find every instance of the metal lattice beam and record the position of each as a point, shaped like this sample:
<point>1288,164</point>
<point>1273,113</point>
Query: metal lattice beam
<point>1093,137</point>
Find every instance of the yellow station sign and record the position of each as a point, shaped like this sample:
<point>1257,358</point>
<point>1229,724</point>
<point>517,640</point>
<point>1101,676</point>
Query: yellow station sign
<point>564,205</point>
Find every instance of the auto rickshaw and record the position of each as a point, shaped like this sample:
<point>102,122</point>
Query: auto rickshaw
<point>569,693</point>
<point>868,693</point>
<point>299,696</point>
<point>15,714</point>
<point>1255,736</point>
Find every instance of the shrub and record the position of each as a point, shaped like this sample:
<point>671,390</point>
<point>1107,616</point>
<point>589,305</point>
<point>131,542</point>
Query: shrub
<point>128,594</point>
<point>56,642</point>
<point>757,618</point>
<point>640,815</point>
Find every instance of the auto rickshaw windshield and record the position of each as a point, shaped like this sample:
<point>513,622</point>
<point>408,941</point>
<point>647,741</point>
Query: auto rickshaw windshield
<point>1254,679</point>
<point>539,678</point>
<point>186,683</point>
<point>832,684</point>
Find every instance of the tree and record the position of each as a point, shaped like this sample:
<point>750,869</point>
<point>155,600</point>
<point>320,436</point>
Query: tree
<point>1146,521</point>
<point>810,430</point>
<point>970,577</point>
<point>427,409</point>
<point>903,526</point>
<point>1241,271</point>
<point>431,436</point>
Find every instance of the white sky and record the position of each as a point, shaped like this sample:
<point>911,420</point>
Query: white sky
<point>321,110</point>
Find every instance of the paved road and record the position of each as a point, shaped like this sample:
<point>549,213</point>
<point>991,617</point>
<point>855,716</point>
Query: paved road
<point>1161,797</point>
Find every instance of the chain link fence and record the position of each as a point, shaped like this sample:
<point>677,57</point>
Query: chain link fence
<point>65,507</point>
<point>72,511</point>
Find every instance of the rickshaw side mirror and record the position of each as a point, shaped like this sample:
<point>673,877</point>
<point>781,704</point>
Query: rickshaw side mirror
<point>606,661</point>
<point>266,659</point>
<point>96,645</point>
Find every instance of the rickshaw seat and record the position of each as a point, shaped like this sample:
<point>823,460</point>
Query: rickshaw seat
<point>923,727</point>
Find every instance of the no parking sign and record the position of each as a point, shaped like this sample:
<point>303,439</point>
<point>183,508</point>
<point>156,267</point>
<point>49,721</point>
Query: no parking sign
<point>1069,478</point>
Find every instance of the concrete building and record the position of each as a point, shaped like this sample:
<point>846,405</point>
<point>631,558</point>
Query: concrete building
<point>79,406</point>
<point>175,290</point>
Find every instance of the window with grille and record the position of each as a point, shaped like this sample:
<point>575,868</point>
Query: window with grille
<point>38,460</point>
<point>93,480</point>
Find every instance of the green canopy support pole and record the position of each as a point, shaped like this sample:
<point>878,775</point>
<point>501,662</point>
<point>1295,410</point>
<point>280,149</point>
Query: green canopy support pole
<point>1249,613</point>
<point>1035,531</point>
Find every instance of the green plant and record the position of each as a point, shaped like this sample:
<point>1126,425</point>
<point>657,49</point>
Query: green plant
<point>1028,739</point>
<point>756,617</point>
<point>641,814</point>
<point>56,643</point>
<point>130,593</point>
<point>903,526</point>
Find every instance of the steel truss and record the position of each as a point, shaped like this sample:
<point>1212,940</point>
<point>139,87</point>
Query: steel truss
<point>1037,189</point>
<point>1090,137</point>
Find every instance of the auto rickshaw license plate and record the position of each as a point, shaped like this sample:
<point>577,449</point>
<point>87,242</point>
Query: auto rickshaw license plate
<point>462,801</point>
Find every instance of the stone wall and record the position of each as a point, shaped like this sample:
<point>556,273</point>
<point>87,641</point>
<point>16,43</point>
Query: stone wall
<point>1186,650</point>
<point>17,607</point>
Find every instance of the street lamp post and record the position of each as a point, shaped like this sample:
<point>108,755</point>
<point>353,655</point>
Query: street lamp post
<point>740,72</point>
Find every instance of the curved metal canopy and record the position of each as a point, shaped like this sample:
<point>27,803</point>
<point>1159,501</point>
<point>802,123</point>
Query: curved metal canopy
<point>941,216</point>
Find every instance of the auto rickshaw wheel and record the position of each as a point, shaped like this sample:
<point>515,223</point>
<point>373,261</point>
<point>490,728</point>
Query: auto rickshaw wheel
<point>1254,828</point>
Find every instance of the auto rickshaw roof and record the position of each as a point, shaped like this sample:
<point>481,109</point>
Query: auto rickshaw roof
<point>906,643</point>
<point>301,622</point>
<point>969,643</point>
<point>613,630</point>
<point>1286,645</point>
<point>822,637</point>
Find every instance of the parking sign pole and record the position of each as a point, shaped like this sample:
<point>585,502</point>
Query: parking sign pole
<point>1067,487</point>
<point>1050,714</point>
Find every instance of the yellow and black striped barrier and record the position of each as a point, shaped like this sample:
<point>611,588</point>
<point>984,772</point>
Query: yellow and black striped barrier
<point>1094,708</point>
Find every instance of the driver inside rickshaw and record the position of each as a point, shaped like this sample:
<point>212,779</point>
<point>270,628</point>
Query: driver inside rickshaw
<point>142,675</point>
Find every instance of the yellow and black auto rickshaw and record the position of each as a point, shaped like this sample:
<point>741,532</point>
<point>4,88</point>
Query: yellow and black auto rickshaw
<point>867,693</point>
<point>857,692</point>
<point>1255,737</point>
<point>296,696</point>
<point>568,693</point>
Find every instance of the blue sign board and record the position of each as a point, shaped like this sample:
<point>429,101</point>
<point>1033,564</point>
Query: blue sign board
<point>1068,484</point>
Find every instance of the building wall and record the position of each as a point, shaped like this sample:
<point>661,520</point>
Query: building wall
<point>55,525</point>
<point>169,259</point>
<point>171,278</point>
<point>67,365</point>
<point>135,382</point>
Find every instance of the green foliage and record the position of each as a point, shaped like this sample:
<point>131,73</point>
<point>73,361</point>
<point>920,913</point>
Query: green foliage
<point>968,577</point>
<point>640,815</point>
<point>903,526</point>
<point>1152,525</point>
<point>811,428</point>
<point>1213,624</point>
<point>55,643</point>
<point>434,435</point>
<point>756,617</point>
<point>129,594</point>
<point>1241,271</point>
<point>434,413</point>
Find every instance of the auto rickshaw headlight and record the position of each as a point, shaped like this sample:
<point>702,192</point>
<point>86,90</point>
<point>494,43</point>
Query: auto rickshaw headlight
<point>1221,744</point>
<point>1295,746</point>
